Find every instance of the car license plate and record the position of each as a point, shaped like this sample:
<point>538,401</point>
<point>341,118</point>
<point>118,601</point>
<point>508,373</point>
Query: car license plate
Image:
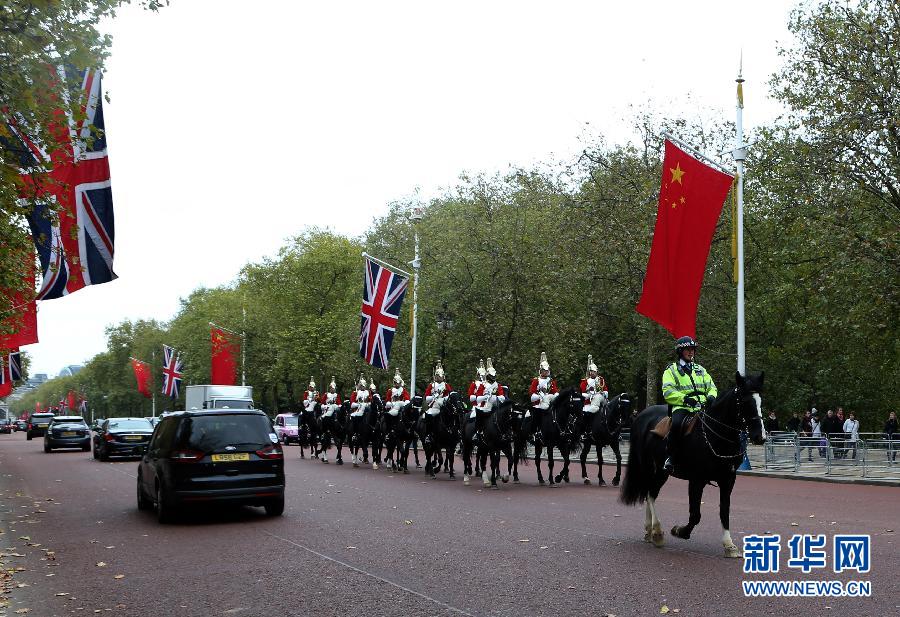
<point>43,425</point>
<point>69,433</point>
<point>223,458</point>
<point>133,437</point>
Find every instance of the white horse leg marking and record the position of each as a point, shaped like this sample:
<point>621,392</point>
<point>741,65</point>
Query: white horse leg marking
<point>656,535</point>
<point>758,399</point>
<point>730,549</point>
<point>648,521</point>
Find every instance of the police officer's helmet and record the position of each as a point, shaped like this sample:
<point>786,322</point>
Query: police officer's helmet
<point>685,342</point>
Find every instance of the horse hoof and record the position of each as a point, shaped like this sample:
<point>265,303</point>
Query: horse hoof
<point>406,471</point>
<point>679,532</point>
<point>557,479</point>
<point>601,482</point>
<point>339,462</point>
<point>541,482</point>
<point>566,479</point>
<point>505,478</point>
<point>647,536</point>
<point>516,481</point>
<point>301,456</point>
<point>375,466</point>
<point>616,481</point>
<point>466,480</point>
<point>657,538</point>
<point>494,487</point>
<point>732,552</point>
<point>586,480</point>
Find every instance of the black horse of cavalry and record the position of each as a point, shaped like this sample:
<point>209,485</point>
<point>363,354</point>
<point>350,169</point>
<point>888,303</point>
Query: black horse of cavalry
<point>711,452</point>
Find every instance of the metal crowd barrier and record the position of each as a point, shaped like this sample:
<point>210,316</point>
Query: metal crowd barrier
<point>870,456</point>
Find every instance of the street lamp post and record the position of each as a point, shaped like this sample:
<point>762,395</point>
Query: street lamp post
<point>444,324</point>
<point>415,216</point>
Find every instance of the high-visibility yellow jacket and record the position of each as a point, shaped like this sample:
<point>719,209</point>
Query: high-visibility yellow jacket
<point>678,383</point>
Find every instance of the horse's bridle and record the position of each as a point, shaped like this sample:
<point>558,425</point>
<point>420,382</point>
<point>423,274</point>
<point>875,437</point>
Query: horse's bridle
<point>705,416</point>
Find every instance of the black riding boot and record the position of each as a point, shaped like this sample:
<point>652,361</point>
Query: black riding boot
<point>479,427</point>
<point>673,439</point>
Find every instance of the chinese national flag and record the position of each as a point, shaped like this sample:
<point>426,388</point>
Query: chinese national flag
<point>142,375</point>
<point>226,347</point>
<point>690,201</point>
<point>21,326</point>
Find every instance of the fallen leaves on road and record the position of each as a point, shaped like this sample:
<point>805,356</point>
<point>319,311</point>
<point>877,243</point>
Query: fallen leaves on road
<point>63,593</point>
<point>795,524</point>
<point>350,548</point>
<point>26,538</point>
<point>524,540</point>
<point>119,576</point>
<point>22,611</point>
<point>663,609</point>
<point>101,564</point>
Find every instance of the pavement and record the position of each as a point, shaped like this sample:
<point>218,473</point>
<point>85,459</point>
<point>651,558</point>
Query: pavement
<point>364,542</point>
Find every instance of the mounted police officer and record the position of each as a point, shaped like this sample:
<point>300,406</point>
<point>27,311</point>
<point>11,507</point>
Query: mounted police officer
<point>480,372</point>
<point>310,396</point>
<point>543,391</point>
<point>687,388</point>
<point>594,393</point>
<point>331,400</point>
<point>490,394</point>
<point>435,395</point>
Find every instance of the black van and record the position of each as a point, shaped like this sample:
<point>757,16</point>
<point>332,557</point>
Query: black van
<point>212,456</point>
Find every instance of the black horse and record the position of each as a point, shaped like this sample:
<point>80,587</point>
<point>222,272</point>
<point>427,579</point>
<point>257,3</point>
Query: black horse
<point>604,430</point>
<point>360,430</point>
<point>557,430</point>
<point>443,436</point>
<point>333,428</point>
<point>496,441</point>
<point>712,452</point>
<point>308,429</point>
<point>406,433</point>
<point>392,437</point>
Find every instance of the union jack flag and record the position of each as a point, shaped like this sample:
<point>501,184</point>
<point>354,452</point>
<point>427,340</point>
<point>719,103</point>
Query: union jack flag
<point>70,166</point>
<point>383,293</point>
<point>171,372</point>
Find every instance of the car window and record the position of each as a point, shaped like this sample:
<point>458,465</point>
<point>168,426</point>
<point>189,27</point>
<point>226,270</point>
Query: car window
<point>214,433</point>
<point>162,437</point>
<point>129,425</point>
<point>290,420</point>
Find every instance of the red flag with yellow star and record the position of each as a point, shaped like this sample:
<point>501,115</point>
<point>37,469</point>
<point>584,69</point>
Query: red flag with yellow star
<point>690,201</point>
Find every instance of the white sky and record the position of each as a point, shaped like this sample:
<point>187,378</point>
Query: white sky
<point>234,125</point>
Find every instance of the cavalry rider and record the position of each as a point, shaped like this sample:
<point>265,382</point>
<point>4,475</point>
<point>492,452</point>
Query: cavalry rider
<point>543,391</point>
<point>687,388</point>
<point>396,396</point>
<point>359,400</point>
<point>480,372</point>
<point>435,394</point>
<point>490,394</point>
<point>310,396</point>
<point>331,400</point>
<point>594,393</point>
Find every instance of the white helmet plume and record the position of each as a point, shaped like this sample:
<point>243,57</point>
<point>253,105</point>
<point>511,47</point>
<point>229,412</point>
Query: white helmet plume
<point>312,383</point>
<point>438,371</point>
<point>398,378</point>
<point>481,371</point>
<point>490,368</point>
<point>544,365</point>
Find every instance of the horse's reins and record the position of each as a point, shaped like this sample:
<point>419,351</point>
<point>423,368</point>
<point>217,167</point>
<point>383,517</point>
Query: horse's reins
<point>704,416</point>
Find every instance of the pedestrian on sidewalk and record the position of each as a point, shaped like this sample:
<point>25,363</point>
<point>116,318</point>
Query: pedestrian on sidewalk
<point>891,434</point>
<point>851,427</point>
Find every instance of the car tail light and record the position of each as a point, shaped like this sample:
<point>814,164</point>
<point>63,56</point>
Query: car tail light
<point>29,426</point>
<point>187,456</point>
<point>109,437</point>
<point>272,452</point>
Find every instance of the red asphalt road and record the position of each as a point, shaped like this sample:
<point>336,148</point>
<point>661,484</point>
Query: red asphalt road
<point>364,542</point>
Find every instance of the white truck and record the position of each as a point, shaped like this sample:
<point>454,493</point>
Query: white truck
<point>218,397</point>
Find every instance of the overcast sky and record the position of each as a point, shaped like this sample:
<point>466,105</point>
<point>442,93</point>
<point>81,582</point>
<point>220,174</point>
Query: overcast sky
<point>234,125</point>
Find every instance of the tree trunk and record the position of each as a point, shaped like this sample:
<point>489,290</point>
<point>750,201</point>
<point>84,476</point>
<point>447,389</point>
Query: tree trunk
<point>652,373</point>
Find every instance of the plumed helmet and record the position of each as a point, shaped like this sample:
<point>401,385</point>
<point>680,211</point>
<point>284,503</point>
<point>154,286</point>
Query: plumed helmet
<point>333,384</point>
<point>490,368</point>
<point>438,371</point>
<point>398,378</point>
<point>544,365</point>
<point>362,381</point>
<point>372,386</point>
<point>591,366</point>
<point>481,370</point>
<point>685,342</point>
<point>312,383</point>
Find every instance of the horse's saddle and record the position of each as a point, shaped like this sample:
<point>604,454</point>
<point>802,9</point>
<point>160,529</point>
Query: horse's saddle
<point>663,426</point>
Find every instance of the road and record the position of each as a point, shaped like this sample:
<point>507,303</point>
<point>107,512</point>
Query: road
<point>364,542</point>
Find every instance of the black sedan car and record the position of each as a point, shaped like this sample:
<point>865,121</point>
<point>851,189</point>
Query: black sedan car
<point>6,426</point>
<point>37,424</point>
<point>67,432</point>
<point>122,437</point>
<point>226,456</point>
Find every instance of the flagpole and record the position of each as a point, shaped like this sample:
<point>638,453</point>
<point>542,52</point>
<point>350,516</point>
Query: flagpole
<point>740,155</point>
<point>415,217</point>
<point>244,342</point>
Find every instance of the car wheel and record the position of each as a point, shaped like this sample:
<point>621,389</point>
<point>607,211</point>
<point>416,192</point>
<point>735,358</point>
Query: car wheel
<point>165,513</point>
<point>96,452</point>
<point>285,440</point>
<point>144,504</point>
<point>275,508</point>
<point>86,448</point>
<point>47,448</point>
<point>103,455</point>
<point>28,437</point>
